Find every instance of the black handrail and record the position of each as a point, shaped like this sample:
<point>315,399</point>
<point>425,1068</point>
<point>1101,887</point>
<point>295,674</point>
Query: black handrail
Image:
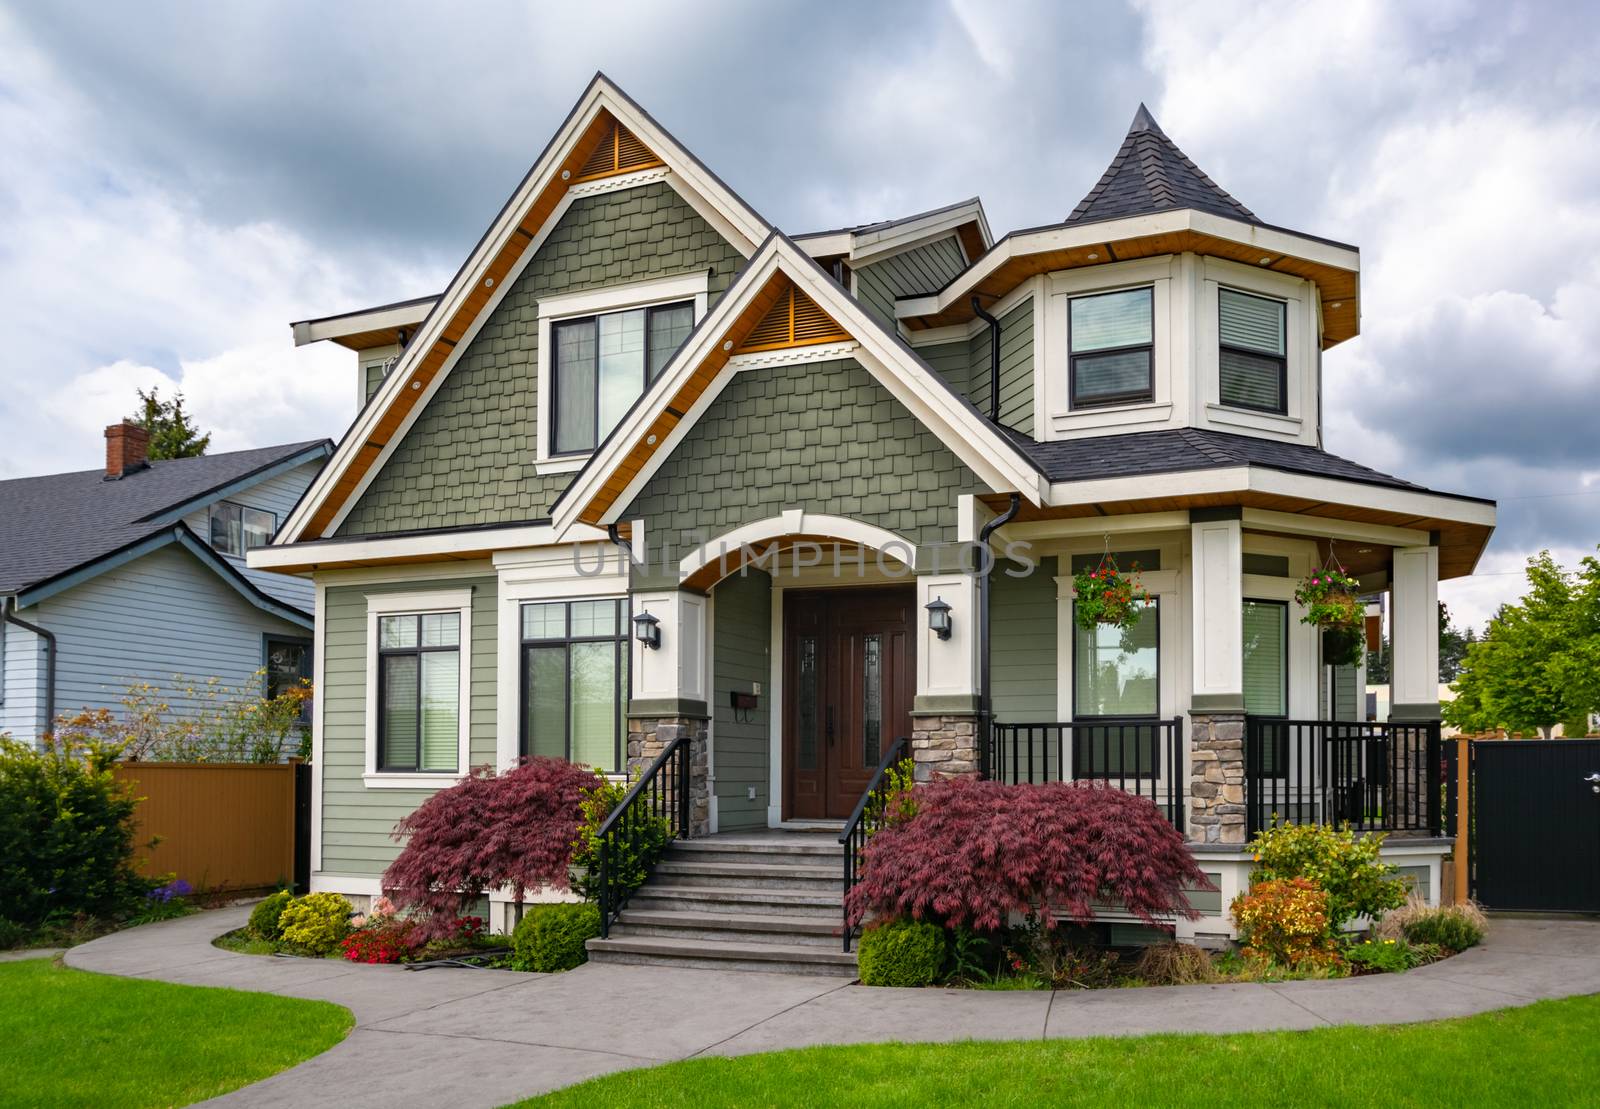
<point>865,820</point>
<point>660,794</point>
<point>1140,755</point>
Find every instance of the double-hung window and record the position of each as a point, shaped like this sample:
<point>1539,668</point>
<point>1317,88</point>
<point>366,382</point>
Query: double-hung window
<point>575,681</point>
<point>1266,678</point>
<point>1252,359</point>
<point>603,363</point>
<point>1116,678</point>
<point>1112,347</point>
<point>237,528</point>
<point>419,692</point>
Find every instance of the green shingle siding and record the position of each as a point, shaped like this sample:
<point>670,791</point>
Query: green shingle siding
<point>923,269</point>
<point>825,437</point>
<point>469,459</point>
<point>357,821</point>
<point>741,644</point>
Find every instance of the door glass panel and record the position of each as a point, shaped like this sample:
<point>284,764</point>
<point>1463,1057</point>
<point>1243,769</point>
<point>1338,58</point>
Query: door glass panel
<point>872,700</point>
<point>806,698</point>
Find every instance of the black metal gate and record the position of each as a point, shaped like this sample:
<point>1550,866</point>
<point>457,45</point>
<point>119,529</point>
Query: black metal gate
<point>1536,824</point>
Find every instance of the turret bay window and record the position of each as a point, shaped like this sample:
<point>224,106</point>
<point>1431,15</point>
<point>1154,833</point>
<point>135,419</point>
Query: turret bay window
<point>575,681</point>
<point>603,363</point>
<point>1111,337</point>
<point>1253,362</point>
<point>419,692</point>
<point>1116,678</point>
<point>1266,678</point>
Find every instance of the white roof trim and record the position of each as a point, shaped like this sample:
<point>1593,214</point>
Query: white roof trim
<point>1071,236</point>
<point>980,447</point>
<point>392,316</point>
<point>795,521</point>
<point>331,553</point>
<point>744,228</point>
<point>876,242</point>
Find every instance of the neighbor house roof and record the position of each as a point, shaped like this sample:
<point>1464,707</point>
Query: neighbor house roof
<point>58,524</point>
<point>1150,174</point>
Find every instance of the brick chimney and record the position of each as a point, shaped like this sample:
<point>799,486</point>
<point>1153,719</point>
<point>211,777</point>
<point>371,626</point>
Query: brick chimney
<point>127,445</point>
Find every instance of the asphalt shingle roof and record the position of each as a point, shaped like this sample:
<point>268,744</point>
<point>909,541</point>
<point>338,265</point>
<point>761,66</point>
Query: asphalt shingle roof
<point>1189,448</point>
<point>1150,174</point>
<point>56,523</point>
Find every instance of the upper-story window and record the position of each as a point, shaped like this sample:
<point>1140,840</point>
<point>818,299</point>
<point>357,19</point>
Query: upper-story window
<point>1253,361</point>
<point>237,528</point>
<point>1112,347</point>
<point>601,365</point>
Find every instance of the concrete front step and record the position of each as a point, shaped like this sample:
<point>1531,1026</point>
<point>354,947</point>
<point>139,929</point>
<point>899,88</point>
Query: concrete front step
<point>655,897</point>
<point>748,875</point>
<point>770,957</point>
<point>777,850</point>
<point>730,928</point>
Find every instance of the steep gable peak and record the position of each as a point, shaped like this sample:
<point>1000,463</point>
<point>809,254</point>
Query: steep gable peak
<point>1150,174</point>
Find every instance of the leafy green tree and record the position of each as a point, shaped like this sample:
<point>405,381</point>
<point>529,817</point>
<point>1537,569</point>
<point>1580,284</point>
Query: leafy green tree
<point>1536,663</point>
<point>173,433</point>
<point>1453,643</point>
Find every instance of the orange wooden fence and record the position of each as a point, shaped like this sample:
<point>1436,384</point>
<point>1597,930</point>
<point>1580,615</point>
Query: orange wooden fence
<point>219,825</point>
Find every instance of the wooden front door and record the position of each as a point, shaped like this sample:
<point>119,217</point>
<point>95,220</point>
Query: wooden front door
<point>849,678</point>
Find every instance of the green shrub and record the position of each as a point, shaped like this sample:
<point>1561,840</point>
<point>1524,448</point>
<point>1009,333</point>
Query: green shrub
<point>1344,865</point>
<point>1454,927</point>
<point>901,953</point>
<point>551,937</point>
<point>1383,956</point>
<point>629,859</point>
<point>316,922</point>
<point>66,833</point>
<point>265,918</point>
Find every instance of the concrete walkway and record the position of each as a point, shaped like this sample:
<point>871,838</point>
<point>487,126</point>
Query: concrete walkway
<point>480,1037</point>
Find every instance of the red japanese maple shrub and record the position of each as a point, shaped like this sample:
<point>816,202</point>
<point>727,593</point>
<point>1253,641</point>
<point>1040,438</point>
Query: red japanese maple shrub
<point>491,830</point>
<point>975,852</point>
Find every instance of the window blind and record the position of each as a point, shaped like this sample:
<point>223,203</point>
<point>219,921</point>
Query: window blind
<point>1266,658</point>
<point>1252,358</point>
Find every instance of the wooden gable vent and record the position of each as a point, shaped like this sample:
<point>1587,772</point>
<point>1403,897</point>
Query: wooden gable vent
<point>794,321</point>
<point>619,151</point>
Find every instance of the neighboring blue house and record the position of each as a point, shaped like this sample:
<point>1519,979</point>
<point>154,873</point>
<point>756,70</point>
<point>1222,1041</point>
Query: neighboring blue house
<point>136,573</point>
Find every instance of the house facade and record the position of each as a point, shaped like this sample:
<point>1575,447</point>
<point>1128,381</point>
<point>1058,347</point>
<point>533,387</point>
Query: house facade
<point>652,469</point>
<point>136,573</point>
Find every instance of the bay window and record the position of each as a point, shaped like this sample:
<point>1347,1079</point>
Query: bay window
<point>1253,361</point>
<point>575,681</point>
<point>1266,678</point>
<point>1116,678</point>
<point>1111,340</point>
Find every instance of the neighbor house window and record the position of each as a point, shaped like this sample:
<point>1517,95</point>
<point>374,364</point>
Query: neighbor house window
<point>288,667</point>
<point>575,681</point>
<point>419,692</point>
<point>236,528</point>
<point>603,363</point>
<point>1112,340</point>
<point>1253,364</point>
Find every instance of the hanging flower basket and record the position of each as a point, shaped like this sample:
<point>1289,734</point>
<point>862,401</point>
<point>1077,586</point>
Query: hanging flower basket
<point>1107,595</point>
<point>1333,603</point>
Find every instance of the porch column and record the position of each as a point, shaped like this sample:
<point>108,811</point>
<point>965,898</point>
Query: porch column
<point>1414,673</point>
<point>1216,705</point>
<point>945,727</point>
<point>668,686</point>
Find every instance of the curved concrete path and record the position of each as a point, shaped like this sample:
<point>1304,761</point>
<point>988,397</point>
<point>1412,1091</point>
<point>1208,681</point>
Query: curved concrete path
<point>483,1037</point>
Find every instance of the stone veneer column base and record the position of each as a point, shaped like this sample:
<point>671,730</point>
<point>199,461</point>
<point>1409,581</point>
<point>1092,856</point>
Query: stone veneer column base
<point>944,746</point>
<point>1216,777</point>
<point>648,736</point>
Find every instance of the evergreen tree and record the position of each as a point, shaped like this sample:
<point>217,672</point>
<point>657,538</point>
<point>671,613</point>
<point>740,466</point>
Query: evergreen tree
<point>173,433</point>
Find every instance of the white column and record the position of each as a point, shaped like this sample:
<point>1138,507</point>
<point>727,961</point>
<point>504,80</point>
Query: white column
<point>675,671</point>
<point>1217,566</point>
<point>947,669</point>
<point>1414,669</point>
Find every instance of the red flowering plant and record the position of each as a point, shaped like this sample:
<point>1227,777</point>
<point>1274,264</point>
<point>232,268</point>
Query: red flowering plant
<point>1332,601</point>
<point>1108,595</point>
<point>489,831</point>
<point>974,852</point>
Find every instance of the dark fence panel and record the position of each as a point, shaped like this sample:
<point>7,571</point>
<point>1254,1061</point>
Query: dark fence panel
<point>1373,776</point>
<point>1136,755</point>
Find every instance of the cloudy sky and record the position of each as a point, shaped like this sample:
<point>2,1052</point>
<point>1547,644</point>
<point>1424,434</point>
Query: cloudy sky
<point>183,180</point>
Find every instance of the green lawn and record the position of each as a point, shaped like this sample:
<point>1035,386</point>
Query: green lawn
<point>1541,1055</point>
<point>72,1038</point>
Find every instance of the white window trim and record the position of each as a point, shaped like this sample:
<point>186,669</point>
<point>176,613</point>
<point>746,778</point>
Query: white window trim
<point>1299,418</point>
<point>408,604</point>
<point>1170,359</point>
<point>592,302</point>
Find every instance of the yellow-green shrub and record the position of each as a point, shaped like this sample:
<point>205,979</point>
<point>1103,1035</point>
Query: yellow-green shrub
<point>316,922</point>
<point>901,953</point>
<point>1286,922</point>
<point>1344,865</point>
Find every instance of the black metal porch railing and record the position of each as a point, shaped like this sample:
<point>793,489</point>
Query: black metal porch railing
<point>866,819</point>
<point>1378,777</point>
<point>1136,755</point>
<point>660,796</point>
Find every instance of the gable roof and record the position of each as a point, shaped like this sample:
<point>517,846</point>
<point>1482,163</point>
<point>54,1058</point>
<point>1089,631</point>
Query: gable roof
<point>782,283</point>
<point>606,140</point>
<point>58,524</point>
<point>1150,174</point>
<point>867,242</point>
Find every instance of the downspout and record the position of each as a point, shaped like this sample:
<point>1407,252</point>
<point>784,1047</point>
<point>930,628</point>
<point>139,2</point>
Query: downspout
<point>616,537</point>
<point>994,363</point>
<point>9,617</point>
<point>985,709</point>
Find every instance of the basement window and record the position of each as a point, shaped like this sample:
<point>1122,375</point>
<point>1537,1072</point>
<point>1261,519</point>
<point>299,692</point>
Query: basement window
<point>1112,345</point>
<point>1254,365</point>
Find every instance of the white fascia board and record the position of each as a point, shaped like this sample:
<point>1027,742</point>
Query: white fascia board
<point>733,213</point>
<point>826,245</point>
<point>1231,479</point>
<point>1322,527</point>
<point>1407,502</point>
<point>331,553</point>
<point>1175,520</point>
<point>354,323</point>
<point>1074,236</point>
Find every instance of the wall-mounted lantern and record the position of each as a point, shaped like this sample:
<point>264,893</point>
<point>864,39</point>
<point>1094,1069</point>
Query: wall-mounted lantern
<point>647,630</point>
<point>938,617</point>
